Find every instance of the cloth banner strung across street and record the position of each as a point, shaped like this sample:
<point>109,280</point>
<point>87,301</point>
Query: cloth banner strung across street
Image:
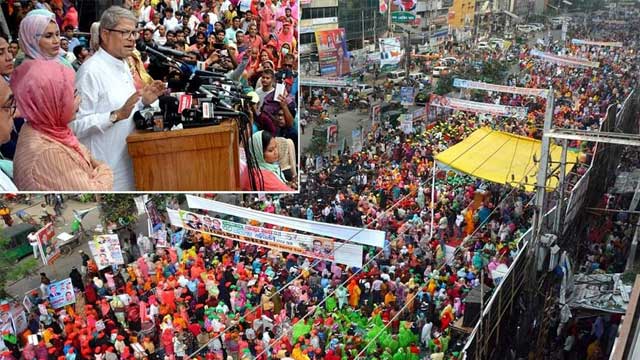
<point>106,250</point>
<point>48,244</point>
<point>564,60</point>
<point>355,235</point>
<point>307,245</point>
<point>477,107</point>
<point>596,43</point>
<point>61,293</point>
<point>469,84</point>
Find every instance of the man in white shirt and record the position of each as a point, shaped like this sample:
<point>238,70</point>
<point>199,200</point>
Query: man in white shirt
<point>170,21</point>
<point>109,97</point>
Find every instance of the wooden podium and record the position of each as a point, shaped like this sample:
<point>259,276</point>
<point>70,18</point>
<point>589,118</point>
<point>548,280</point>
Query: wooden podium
<point>197,159</point>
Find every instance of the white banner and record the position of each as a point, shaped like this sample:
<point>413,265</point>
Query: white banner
<point>597,43</point>
<point>468,84</point>
<point>355,235</point>
<point>478,107</point>
<point>564,60</point>
<point>307,245</point>
<point>106,250</point>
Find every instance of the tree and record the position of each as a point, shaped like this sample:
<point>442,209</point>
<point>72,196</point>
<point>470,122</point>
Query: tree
<point>445,85</point>
<point>121,208</point>
<point>10,270</point>
<point>318,145</point>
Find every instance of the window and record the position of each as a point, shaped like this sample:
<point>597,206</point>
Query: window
<point>307,38</point>
<point>319,13</point>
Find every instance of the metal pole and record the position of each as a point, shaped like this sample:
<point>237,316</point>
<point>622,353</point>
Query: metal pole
<point>559,223</point>
<point>362,18</point>
<point>634,248</point>
<point>389,17</point>
<point>433,198</point>
<point>407,56</point>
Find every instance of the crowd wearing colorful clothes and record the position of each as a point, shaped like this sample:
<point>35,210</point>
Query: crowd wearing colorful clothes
<point>251,43</point>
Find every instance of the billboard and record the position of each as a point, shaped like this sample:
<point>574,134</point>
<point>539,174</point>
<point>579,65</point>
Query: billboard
<point>403,11</point>
<point>390,53</point>
<point>106,250</point>
<point>48,244</point>
<point>332,52</point>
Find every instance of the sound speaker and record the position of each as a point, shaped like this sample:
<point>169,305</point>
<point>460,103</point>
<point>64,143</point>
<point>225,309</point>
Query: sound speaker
<point>472,306</point>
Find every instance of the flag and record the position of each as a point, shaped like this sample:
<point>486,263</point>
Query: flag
<point>383,6</point>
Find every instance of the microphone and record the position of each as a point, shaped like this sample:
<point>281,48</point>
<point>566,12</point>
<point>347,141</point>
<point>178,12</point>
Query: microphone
<point>169,51</point>
<point>157,52</point>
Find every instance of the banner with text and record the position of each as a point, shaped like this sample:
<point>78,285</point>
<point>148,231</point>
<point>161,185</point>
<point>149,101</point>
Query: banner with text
<point>356,140</point>
<point>106,250</point>
<point>468,84</point>
<point>332,52</point>
<point>406,123</point>
<point>403,11</point>
<point>307,245</point>
<point>596,43</point>
<point>61,293</point>
<point>354,235</point>
<point>406,95</point>
<point>477,107</point>
<point>564,60</point>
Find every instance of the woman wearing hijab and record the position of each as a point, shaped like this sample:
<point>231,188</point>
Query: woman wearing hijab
<point>48,155</point>
<point>267,173</point>
<point>39,38</point>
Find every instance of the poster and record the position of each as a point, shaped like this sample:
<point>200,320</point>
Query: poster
<point>390,53</point>
<point>375,114</point>
<point>332,135</point>
<point>154,216</point>
<point>307,245</point>
<point>106,250</point>
<point>333,53</point>
<point>406,123</point>
<point>19,319</point>
<point>403,11</point>
<point>61,293</point>
<point>356,140</point>
<point>48,244</point>
<point>140,201</point>
<point>406,95</point>
<point>27,303</point>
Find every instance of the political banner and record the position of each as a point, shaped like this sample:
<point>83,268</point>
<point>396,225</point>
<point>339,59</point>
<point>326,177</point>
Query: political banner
<point>406,96</point>
<point>477,107</point>
<point>375,114</point>
<point>48,244</point>
<point>403,11</point>
<point>140,201</point>
<point>406,123</point>
<point>419,114</point>
<point>352,234</point>
<point>383,7</point>
<point>391,53</point>
<point>356,140</point>
<point>332,135</point>
<point>106,250</point>
<point>61,293</point>
<point>332,52</point>
<point>307,245</point>
<point>565,60</point>
<point>596,43</point>
<point>469,84</point>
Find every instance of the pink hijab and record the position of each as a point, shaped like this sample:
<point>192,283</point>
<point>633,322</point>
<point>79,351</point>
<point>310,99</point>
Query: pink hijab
<point>44,92</point>
<point>31,29</point>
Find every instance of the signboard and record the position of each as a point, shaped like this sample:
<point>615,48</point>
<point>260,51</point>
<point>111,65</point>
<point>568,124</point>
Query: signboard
<point>477,107</point>
<point>332,52</point>
<point>356,140</point>
<point>390,53</point>
<point>406,95</point>
<point>564,60</point>
<point>332,135</point>
<point>468,84</point>
<point>106,250</point>
<point>402,17</point>
<point>420,114</point>
<point>307,245</point>
<point>61,293</point>
<point>48,244</point>
<point>375,114</point>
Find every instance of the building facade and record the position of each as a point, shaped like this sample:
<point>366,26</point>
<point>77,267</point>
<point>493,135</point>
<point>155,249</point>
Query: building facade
<point>361,21</point>
<point>462,14</point>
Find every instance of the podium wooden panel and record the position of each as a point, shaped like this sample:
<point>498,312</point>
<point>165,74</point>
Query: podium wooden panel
<point>197,159</point>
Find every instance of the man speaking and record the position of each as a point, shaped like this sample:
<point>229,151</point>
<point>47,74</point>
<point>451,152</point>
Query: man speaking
<point>109,97</point>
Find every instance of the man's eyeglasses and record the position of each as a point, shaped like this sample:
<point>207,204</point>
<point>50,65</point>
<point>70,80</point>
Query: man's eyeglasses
<point>127,34</point>
<point>10,106</point>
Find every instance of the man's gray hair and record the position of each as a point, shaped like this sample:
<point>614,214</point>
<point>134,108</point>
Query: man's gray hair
<point>113,15</point>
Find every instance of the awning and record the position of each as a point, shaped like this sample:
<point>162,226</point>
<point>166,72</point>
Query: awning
<point>502,158</point>
<point>512,15</point>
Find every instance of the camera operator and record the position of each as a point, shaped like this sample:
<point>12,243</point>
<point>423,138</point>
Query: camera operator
<point>109,97</point>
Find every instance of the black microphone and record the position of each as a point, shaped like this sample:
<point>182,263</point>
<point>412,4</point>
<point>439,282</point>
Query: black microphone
<point>155,51</point>
<point>170,51</point>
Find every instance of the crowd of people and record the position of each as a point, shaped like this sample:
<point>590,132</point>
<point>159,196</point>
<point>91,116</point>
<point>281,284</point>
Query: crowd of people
<point>68,131</point>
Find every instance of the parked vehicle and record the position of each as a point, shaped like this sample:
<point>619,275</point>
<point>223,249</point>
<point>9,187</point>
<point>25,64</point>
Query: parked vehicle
<point>18,245</point>
<point>448,61</point>
<point>365,89</point>
<point>396,76</point>
<point>440,71</point>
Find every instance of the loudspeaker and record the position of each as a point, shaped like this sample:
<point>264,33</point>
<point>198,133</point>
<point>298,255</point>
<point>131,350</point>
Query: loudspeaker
<point>472,306</point>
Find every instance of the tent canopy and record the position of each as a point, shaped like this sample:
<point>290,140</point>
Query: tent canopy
<point>502,158</point>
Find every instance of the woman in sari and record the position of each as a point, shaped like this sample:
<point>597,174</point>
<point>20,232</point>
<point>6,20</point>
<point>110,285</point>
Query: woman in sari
<point>48,155</point>
<point>266,172</point>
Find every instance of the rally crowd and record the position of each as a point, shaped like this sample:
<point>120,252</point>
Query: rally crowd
<point>68,131</point>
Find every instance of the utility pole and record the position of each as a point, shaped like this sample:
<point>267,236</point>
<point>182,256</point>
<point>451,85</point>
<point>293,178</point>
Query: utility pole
<point>558,228</point>
<point>362,18</point>
<point>407,54</point>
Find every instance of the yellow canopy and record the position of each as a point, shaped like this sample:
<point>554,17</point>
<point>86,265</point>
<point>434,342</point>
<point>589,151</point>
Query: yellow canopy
<point>496,156</point>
